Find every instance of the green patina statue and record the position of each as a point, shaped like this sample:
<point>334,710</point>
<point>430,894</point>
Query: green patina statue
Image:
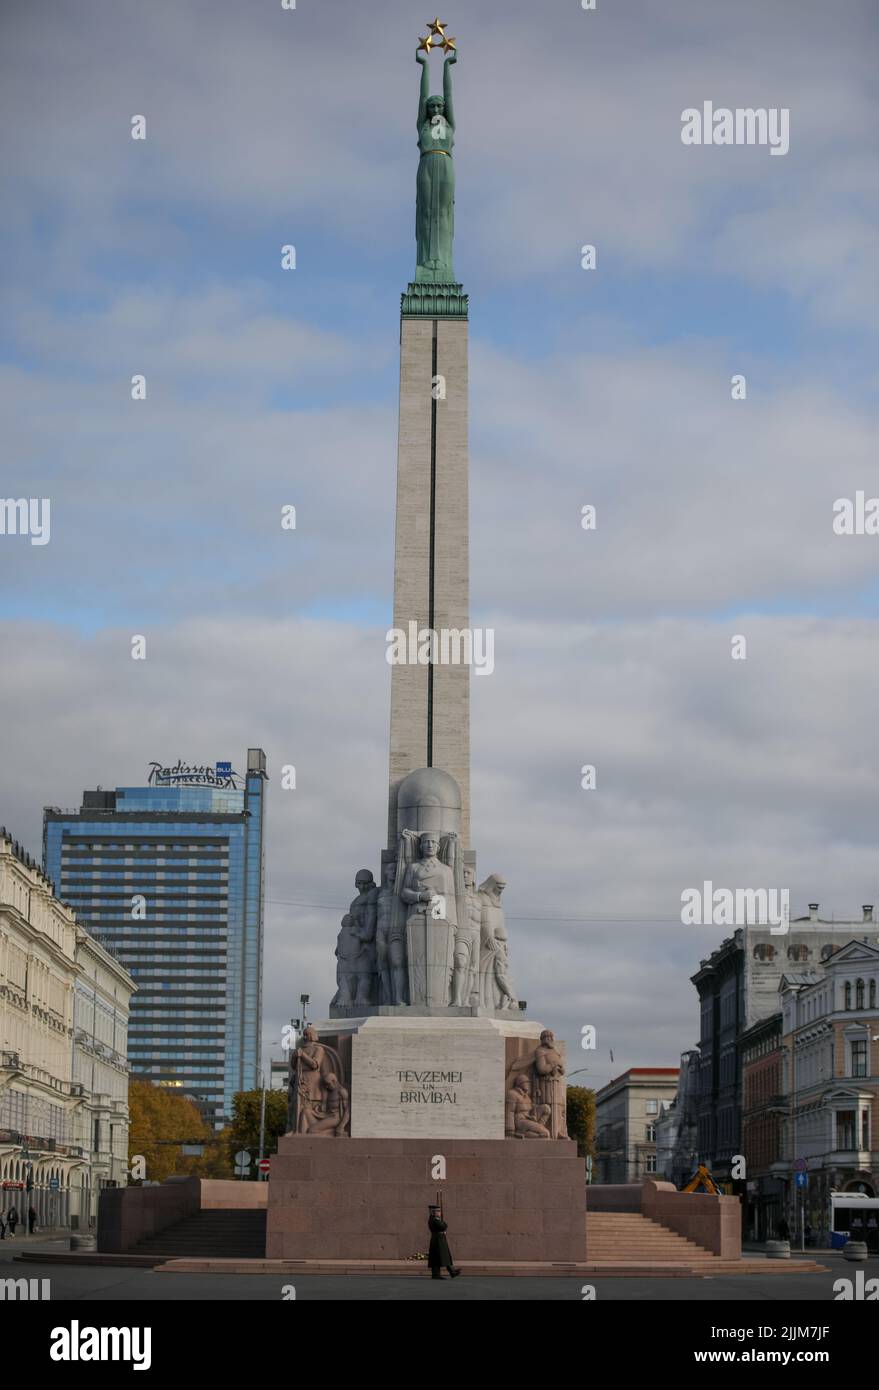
<point>435,203</point>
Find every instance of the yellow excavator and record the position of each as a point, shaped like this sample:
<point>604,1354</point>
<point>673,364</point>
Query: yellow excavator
<point>702,1181</point>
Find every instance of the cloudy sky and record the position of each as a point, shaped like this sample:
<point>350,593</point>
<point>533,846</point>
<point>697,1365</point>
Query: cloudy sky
<point>610,387</point>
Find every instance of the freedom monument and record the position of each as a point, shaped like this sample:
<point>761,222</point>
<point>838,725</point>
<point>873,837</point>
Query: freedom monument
<point>426,1070</point>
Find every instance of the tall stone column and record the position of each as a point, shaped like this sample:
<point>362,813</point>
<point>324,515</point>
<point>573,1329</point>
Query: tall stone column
<point>430,704</point>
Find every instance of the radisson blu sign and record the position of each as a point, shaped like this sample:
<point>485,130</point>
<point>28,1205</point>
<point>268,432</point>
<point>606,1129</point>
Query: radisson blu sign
<point>191,775</point>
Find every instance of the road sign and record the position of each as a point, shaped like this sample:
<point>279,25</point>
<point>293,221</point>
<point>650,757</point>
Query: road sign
<point>242,1159</point>
<point>800,1165</point>
<point>802,1179</point>
<point>54,1184</point>
<point>264,1165</point>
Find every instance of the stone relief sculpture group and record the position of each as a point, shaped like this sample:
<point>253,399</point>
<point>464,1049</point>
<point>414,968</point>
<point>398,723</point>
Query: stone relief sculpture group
<point>535,1101</point>
<point>318,1101</point>
<point>427,936</point>
<point>535,1095</point>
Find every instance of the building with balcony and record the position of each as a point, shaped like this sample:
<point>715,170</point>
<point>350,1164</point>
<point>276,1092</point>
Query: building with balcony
<point>101,1008</point>
<point>830,1077</point>
<point>55,986</point>
<point>738,986</point>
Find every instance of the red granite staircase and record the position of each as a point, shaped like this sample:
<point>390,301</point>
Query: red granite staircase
<point>624,1237</point>
<point>627,1243</point>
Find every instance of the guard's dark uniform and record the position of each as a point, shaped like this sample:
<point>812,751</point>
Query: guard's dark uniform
<point>439,1256</point>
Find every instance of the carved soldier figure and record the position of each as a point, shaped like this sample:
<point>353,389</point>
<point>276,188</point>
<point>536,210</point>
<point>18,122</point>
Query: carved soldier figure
<point>495,987</point>
<point>428,879</point>
<point>363,907</point>
<point>385,904</point>
<point>397,966</point>
<point>465,972</point>
<point>355,971</point>
<point>549,1073</point>
<point>524,1119</point>
<point>429,889</point>
<point>355,946</point>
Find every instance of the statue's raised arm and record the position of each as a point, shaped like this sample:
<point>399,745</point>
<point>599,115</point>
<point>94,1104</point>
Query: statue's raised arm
<point>425,89</point>
<point>447,88</point>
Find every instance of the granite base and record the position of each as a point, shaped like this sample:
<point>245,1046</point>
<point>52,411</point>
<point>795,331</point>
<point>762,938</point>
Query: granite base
<point>359,1199</point>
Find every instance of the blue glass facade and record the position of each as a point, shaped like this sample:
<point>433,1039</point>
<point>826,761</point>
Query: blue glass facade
<point>171,878</point>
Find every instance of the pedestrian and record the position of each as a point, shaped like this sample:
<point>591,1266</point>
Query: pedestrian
<point>2,1227</point>
<point>31,1219</point>
<point>12,1221</point>
<point>783,1230</point>
<point>439,1256</point>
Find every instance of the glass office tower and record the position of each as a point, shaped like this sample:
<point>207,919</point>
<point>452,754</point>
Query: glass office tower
<point>170,878</point>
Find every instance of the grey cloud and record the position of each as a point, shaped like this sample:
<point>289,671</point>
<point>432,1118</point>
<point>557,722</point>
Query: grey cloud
<point>701,774</point>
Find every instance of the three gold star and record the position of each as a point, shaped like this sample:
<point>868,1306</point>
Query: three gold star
<point>437,38</point>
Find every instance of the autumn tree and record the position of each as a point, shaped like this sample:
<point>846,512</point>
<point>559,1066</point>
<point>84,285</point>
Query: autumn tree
<point>581,1118</point>
<point>160,1122</point>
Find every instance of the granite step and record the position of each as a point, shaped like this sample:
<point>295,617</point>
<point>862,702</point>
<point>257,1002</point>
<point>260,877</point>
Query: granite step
<point>628,1236</point>
<point>417,1269</point>
<point>232,1233</point>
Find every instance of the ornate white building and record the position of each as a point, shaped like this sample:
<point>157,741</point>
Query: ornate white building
<point>64,1004</point>
<point>830,1032</point>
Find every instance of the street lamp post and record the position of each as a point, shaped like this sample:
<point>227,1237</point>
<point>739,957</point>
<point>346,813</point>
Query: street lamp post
<point>262,1122</point>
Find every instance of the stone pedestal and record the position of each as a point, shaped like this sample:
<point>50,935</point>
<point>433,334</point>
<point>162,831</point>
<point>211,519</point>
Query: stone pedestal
<point>428,1077</point>
<point>363,1199</point>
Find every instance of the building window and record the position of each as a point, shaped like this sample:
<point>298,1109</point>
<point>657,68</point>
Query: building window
<point>865,1130</point>
<point>848,994</point>
<point>859,1058</point>
<point>872,994</point>
<point>764,952</point>
<point>650,1164</point>
<point>650,1134</point>
<point>845,1129</point>
<point>859,994</point>
<point>652,1107</point>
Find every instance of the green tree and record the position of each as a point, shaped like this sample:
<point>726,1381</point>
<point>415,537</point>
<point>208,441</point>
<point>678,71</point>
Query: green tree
<point>243,1133</point>
<point>580,1107</point>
